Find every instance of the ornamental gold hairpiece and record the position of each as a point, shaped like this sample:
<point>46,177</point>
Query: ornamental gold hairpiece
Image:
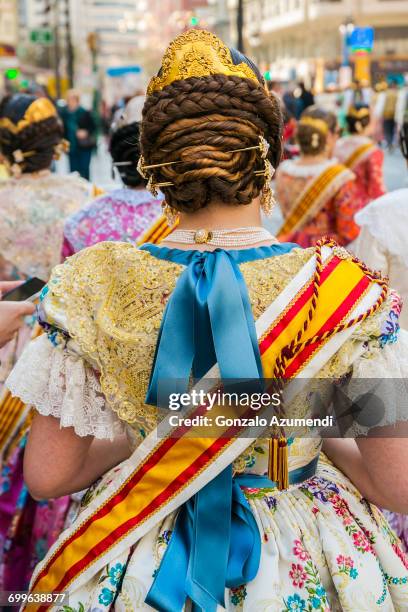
<point>39,110</point>
<point>313,122</point>
<point>197,53</point>
<point>361,113</point>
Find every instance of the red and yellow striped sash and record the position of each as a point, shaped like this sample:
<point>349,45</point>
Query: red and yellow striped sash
<point>173,463</point>
<point>309,197</point>
<point>12,413</point>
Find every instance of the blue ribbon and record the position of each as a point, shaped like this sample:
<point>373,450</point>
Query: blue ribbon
<point>208,319</point>
<point>215,544</point>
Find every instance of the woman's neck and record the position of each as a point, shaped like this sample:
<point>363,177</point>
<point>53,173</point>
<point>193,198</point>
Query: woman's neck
<point>217,216</point>
<point>222,216</point>
<point>38,174</point>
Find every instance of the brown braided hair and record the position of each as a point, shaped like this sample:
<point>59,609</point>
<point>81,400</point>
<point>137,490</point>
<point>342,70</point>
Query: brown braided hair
<point>38,139</point>
<point>308,143</point>
<point>196,121</point>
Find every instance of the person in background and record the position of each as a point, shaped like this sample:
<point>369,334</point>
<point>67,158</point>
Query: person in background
<point>127,212</point>
<point>382,245</point>
<point>304,97</point>
<point>80,132</point>
<point>389,111</point>
<point>34,205</point>
<point>318,196</point>
<point>359,153</point>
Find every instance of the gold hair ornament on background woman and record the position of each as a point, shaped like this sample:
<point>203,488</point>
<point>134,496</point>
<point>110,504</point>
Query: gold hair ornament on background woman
<point>39,110</point>
<point>318,124</point>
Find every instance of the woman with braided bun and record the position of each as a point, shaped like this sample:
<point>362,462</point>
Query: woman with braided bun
<point>358,152</point>
<point>194,508</point>
<point>318,196</point>
<point>34,205</point>
<point>125,213</point>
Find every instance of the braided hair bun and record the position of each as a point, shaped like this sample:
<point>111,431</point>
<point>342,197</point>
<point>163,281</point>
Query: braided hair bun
<point>124,148</point>
<point>198,122</point>
<point>311,138</point>
<point>35,143</point>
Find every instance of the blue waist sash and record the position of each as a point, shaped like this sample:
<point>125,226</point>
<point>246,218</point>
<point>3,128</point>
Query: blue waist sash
<point>215,543</point>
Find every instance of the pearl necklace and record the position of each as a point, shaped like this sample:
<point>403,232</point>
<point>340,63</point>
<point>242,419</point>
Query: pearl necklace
<point>240,236</point>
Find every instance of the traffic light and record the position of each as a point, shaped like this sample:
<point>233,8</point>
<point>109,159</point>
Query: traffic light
<point>12,73</point>
<point>268,75</point>
<point>194,21</point>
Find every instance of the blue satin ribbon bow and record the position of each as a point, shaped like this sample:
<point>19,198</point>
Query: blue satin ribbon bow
<point>208,319</point>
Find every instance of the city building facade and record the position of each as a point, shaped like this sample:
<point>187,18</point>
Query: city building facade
<point>305,39</point>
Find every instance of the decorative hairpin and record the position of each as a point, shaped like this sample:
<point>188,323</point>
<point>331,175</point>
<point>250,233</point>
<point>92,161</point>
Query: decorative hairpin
<point>60,148</point>
<point>152,186</point>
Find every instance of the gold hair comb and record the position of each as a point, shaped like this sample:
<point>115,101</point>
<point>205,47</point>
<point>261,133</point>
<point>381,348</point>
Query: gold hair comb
<point>197,53</point>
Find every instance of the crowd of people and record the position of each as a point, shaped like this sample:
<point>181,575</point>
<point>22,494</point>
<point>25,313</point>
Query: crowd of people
<point>171,276</point>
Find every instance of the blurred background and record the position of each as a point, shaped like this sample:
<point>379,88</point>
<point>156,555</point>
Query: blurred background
<point>108,50</point>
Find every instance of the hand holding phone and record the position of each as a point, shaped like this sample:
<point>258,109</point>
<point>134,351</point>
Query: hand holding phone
<point>26,290</point>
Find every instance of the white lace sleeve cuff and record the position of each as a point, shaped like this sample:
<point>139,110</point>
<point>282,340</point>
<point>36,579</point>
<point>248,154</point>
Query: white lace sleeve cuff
<point>380,377</point>
<point>62,385</point>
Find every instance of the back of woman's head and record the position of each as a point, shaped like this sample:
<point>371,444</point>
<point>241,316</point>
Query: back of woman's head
<point>206,104</point>
<point>313,130</point>
<point>124,148</point>
<point>30,131</point>
<point>124,144</point>
<point>358,118</point>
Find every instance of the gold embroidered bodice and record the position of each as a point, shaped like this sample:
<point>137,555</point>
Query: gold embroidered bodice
<point>111,298</point>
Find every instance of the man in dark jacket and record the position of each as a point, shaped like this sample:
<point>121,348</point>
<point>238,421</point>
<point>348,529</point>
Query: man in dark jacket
<point>80,131</point>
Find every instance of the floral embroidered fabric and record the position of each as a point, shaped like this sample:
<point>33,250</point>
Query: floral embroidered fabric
<point>121,215</point>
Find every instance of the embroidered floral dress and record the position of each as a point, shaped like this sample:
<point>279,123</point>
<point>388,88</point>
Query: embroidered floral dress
<point>366,160</point>
<point>339,203</point>
<point>123,214</point>
<point>323,547</point>
<point>32,214</point>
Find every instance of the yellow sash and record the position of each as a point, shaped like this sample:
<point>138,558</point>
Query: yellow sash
<point>313,198</point>
<point>354,159</point>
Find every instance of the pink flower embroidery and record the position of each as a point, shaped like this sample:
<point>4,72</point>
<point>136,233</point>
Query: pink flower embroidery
<point>299,551</point>
<point>401,555</point>
<point>298,575</point>
<point>361,542</point>
<point>340,505</point>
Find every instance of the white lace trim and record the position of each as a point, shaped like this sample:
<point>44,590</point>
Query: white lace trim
<point>387,219</point>
<point>292,167</point>
<point>62,385</point>
<point>388,368</point>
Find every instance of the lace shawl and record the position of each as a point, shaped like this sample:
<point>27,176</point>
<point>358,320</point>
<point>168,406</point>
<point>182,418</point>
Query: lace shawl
<point>32,214</point>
